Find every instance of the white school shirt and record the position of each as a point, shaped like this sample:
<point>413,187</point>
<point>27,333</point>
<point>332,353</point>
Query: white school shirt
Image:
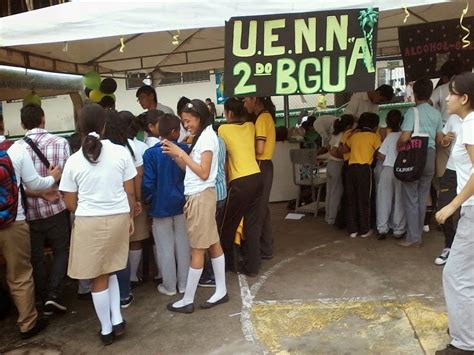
<point>26,173</point>
<point>138,156</point>
<point>324,126</point>
<point>454,124</point>
<point>207,142</point>
<point>438,98</point>
<point>389,148</point>
<point>461,157</point>
<point>141,146</point>
<point>334,142</point>
<point>150,141</point>
<point>99,186</point>
<point>360,103</point>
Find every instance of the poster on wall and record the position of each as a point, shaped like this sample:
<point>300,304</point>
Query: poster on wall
<point>426,47</point>
<point>220,96</point>
<point>301,53</point>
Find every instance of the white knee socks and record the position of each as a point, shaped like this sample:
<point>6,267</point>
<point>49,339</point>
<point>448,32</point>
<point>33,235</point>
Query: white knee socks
<point>193,279</point>
<point>114,294</point>
<point>218,265</point>
<point>134,257</point>
<point>101,302</point>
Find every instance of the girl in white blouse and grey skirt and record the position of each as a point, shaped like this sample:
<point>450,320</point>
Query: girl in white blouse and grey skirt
<point>97,183</point>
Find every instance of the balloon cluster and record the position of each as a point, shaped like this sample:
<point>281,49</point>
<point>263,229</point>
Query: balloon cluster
<point>31,98</point>
<point>96,89</point>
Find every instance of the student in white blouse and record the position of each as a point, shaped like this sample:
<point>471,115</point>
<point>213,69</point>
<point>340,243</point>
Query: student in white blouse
<point>98,187</point>
<point>458,275</point>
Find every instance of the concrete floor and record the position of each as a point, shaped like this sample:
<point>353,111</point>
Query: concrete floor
<point>323,293</point>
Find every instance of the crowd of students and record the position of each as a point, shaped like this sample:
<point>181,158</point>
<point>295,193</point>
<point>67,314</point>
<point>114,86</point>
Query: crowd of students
<point>194,189</point>
<point>364,196</point>
<point>186,185</point>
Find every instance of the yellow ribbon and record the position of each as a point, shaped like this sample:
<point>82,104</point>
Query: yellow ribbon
<point>407,14</point>
<point>466,42</point>
<point>122,44</point>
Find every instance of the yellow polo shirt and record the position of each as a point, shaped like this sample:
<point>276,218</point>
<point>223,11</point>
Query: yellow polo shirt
<point>239,139</point>
<point>363,147</point>
<point>265,131</point>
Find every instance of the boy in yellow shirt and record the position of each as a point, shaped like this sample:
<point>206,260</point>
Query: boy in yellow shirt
<point>363,145</point>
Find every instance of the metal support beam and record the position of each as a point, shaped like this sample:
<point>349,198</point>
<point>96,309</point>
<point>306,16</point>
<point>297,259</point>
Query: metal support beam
<point>286,110</point>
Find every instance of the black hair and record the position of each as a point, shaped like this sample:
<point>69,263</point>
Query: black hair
<point>31,116</point>
<point>107,102</point>
<point>341,124</point>
<point>116,130</point>
<point>422,89</point>
<point>128,119</point>
<point>152,117</point>
<point>268,105</point>
<point>451,67</point>
<point>168,123</point>
<point>386,91</point>
<point>463,84</point>
<point>198,109</point>
<point>91,120</point>
<point>236,106</point>
<point>368,120</point>
<point>147,89</point>
<point>181,104</point>
<point>208,99</point>
<point>394,120</point>
<point>311,119</point>
<point>74,142</point>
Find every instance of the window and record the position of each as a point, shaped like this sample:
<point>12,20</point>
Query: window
<point>184,78</point>
<point>136,80</point>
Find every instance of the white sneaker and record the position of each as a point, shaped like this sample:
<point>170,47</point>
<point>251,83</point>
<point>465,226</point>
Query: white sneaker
<point>368,234</point>
<point>441,260</point>
<point>426,228</point>
<point>163,290</point>
<point>353,235</point>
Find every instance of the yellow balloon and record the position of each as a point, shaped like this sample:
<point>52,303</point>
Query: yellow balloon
<point>96,95</point>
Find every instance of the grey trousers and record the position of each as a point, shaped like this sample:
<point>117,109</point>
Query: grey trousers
<point>415,195</point>
<point>458,283</point>
<point>334,189</point>
<point>390,212</point>
<point>172,246</point>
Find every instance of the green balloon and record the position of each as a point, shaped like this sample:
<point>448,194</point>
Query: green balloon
<point>92,80</point>
<point>112,96</point>
<point>32,99</point>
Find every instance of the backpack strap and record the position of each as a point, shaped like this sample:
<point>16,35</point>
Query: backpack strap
<point>416,128</point>
<point>38,152</point>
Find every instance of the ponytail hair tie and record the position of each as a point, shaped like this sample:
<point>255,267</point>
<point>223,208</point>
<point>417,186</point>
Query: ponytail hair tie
<point>94,134</point>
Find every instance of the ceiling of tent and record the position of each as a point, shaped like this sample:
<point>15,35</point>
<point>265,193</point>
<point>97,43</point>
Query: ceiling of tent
<point>199,49</point>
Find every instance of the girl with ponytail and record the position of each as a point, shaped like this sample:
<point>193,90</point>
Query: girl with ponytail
<point>98,188</point>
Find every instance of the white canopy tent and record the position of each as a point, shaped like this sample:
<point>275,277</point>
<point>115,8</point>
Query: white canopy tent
<point>84,35</point>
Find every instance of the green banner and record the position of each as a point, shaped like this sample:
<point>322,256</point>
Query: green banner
<point>303,53</point>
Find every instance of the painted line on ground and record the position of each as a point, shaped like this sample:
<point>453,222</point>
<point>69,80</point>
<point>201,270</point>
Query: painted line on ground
<point>247,294</point>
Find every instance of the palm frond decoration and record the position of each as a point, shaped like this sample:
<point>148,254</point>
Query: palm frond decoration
<point>367,20</point>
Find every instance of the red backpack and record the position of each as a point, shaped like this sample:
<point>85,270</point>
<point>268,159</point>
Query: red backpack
<point>8,191</point>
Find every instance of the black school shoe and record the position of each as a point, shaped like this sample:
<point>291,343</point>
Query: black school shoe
<point>207,305</point>
<point>107,339</point>
<point>188,309</point>
<point>119,329</point>
<point>452,350</point>
<point>40,324</point>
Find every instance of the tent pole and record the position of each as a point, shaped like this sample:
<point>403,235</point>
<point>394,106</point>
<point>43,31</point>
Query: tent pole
<point>286,109</point>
